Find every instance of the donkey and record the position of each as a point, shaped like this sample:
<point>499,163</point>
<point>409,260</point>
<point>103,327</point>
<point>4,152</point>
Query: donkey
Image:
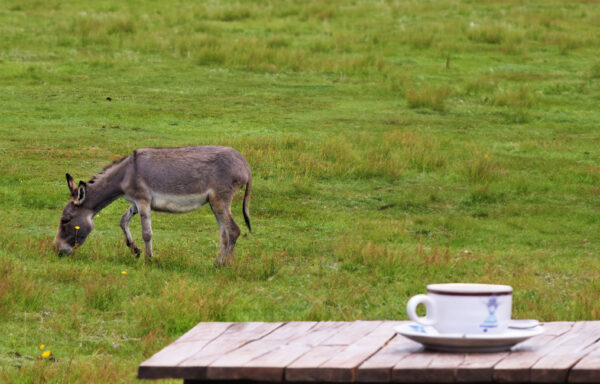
<point>175,180</point>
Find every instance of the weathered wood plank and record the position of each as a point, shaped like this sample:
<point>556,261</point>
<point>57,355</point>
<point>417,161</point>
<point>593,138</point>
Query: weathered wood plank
<point>236,336</point>
<point>291,331</point>
<point>204,331</point>
<point>231,365</point>
<point>478,367</point>
<point>516,367</point>
<point>321,332</point>
<point>308,367</point>
<point>378,368</point>
<point>350,334</point>
<point>587,370</point>
<point>270,367</point>
<point>427,367</point>
<point>554,366</point>
<point>343,366</point>
<point>163,363</point>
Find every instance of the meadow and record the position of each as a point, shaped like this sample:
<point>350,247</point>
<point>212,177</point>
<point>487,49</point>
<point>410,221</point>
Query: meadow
<point>393,144</point>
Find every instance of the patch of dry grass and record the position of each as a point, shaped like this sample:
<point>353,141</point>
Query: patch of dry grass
<point>428,96</point>
<point>519,98</point>
<point>480,167</point>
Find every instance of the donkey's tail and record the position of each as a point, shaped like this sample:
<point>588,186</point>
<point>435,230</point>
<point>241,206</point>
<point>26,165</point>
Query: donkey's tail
<point>246,202</point>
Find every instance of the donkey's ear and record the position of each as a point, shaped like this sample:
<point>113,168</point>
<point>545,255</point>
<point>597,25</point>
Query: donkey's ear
<point>81,193</point>
<point>71,184</point>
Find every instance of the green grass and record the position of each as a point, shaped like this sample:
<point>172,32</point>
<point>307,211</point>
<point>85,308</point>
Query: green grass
<point>393,144</point>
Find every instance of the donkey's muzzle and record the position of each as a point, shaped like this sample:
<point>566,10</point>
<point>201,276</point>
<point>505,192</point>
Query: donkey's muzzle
<point>61,248</point>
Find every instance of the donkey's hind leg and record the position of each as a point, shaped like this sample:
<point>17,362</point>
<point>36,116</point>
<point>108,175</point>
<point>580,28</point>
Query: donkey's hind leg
<point>144,210</point>
<point>125,227</point>
<point>228,229</point>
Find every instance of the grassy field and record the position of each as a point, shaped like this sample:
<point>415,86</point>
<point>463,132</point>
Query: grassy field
<point>393,144</point>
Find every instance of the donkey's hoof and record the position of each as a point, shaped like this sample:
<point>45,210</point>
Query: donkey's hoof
<point>136,252</point>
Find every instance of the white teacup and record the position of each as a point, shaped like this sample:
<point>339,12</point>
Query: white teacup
<point>464,308</point>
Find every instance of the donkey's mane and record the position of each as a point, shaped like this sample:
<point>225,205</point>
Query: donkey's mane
<point>108,167</point>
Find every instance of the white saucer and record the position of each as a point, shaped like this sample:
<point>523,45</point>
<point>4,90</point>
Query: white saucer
<point>455,342</point>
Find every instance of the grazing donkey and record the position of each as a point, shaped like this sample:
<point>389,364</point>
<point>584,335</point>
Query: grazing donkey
<point>162,179</point>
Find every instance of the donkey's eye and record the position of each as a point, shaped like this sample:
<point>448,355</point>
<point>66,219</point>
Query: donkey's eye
<point>65,221</point>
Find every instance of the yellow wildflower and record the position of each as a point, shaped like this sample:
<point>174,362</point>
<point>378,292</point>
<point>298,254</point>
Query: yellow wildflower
<point>77,227</point>
<point>46,354</point>
<point>123,272</point>
<point>42,346</point>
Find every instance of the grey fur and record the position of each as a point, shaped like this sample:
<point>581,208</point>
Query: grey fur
<point>172,180</point>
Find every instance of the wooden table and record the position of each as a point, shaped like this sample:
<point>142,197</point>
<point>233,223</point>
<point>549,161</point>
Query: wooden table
<point>368,352</point>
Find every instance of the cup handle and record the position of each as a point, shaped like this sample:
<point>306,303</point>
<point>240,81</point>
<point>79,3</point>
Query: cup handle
<point>411,309</point>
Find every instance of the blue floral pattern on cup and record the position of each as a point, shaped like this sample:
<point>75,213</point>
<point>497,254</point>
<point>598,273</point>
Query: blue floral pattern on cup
<point>491,321</point>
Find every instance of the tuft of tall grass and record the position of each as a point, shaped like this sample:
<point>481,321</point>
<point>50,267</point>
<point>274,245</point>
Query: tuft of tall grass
<point>229,14</point>
<point>383,162</point>
<point>584,302</point>
<point>513,44</point>
<point>522,97</point>
<point>594,71</point>
<point>483,83</point>
<point>416,151</point>
<point>258,267</point>
<point>318,10</point>
<point>516,116</point>
<point>481,194</point>
<point>250,53</point>
<point>565,42</point>
<point>20,290</point>
<point>420,37</point>
<point>180,305</point>
<point>339,155</point>
<point>101,28</point>
<point>480,167</point>
<point>105,293</point>
<point>321,45</point>
<point>6,300</point>
<point>272,156</point>
<point>428,96</point>
<point>277,42</point>
<point>486,32</point>
<point>433,256</point>
<point>396,82</point>
<point>352,252</point>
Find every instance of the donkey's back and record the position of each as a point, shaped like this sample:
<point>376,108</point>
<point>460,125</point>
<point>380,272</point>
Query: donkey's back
<point>189,170</point>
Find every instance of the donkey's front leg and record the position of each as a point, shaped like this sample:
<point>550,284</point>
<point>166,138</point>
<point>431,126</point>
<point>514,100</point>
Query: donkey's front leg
<point>132,211</point>
<point>144,209</point>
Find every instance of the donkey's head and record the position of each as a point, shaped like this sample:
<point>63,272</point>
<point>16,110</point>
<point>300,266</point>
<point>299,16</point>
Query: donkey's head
<point>76,221</point>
